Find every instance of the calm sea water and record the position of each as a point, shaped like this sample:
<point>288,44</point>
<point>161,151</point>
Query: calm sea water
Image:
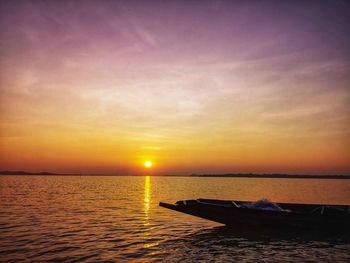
<point>116,219</point>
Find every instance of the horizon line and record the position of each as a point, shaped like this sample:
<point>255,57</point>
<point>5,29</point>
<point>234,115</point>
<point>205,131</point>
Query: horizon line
<point>238,175</point>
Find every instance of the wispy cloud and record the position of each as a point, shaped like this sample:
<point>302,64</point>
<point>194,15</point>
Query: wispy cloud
<point>175,78</point>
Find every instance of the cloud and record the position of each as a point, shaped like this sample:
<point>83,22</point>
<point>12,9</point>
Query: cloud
<point>174,75</point>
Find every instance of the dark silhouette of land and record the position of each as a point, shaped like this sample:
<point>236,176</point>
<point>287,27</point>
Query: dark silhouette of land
<point>26,173</point>
<point>251,175</point>
<point>233,175</point>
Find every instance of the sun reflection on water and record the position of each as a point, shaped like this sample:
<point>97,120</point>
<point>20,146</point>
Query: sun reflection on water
<point>147,198</point>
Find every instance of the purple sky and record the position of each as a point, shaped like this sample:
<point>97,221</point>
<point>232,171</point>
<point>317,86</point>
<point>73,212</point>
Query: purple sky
<point>260,85</point>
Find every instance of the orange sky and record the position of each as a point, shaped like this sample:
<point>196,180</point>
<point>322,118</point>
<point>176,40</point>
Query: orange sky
<point>100,87</point>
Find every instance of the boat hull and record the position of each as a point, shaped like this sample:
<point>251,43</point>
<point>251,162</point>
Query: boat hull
<point>230,214</point>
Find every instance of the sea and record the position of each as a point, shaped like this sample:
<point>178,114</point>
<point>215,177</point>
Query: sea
<point>118,219</point>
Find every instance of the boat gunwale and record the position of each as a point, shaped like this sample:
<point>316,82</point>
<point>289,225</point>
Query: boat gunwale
<point>285,212</point>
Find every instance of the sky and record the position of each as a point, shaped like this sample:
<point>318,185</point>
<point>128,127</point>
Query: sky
<point>193,86</point>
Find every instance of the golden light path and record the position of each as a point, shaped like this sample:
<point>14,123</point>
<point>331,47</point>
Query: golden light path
<point>147,201</point>
<point>147,198</point>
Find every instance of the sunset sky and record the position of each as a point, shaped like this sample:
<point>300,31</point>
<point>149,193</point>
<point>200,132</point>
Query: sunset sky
<point>193,86</point>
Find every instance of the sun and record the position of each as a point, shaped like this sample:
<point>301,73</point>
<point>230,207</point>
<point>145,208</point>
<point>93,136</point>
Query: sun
<point>148,164</point>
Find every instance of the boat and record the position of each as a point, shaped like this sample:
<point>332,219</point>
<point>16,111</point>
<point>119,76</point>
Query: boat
<point>266,214</point>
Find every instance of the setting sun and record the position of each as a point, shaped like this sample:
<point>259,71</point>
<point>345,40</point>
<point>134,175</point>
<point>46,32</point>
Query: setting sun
<point>148,164</point>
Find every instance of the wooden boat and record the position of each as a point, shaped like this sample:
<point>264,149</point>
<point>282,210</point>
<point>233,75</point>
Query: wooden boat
<point>266,214</point>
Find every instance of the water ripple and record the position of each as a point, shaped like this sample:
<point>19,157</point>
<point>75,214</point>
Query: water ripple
<point>117,219</point>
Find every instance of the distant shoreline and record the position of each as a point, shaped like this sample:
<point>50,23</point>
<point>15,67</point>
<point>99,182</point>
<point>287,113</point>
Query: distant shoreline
<point>243,175</point>
<point>287,176</point>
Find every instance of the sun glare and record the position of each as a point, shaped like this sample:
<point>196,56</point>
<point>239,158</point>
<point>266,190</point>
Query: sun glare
<point>148,164</point>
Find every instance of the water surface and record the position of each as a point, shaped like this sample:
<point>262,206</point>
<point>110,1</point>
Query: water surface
<point>113,219</point>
